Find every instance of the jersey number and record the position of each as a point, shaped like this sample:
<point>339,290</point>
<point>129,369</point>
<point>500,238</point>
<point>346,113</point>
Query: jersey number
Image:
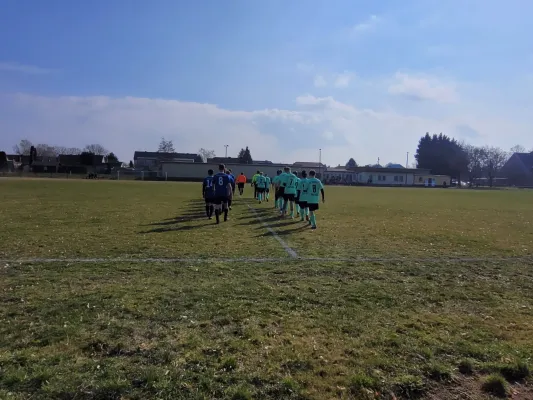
<point>209,183</point>
<point>290,184</point>
<point>314,188</point>
<point>221,181</point>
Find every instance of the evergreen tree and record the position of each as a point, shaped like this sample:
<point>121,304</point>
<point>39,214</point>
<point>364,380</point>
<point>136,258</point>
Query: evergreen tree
<point>351,163</point>
<point>245,157</point>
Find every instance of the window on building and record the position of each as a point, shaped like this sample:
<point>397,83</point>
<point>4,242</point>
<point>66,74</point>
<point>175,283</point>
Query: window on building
<point>401,178</point>
<point>396,178</point>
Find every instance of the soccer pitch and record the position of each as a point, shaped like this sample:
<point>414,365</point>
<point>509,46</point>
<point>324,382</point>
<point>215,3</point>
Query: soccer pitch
<point>115,290</point>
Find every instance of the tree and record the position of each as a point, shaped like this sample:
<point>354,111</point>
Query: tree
<point>351,163</point>
<point>97,149</point>
<point>245,157</point>
<point>23,148</point>
<point>205,154</point>
<point>166,146</point>
<point>494,159</point>
<point>476,161</point>
<point>442,155</point>
<point>131,164</point>
<point>112,158</point>
<point>517,149</point>
<point>3,159</point>
<point>45,150</point>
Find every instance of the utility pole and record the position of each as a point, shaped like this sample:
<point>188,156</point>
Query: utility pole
<point>320,163</point>
<point>226,146</point>
<point>407,162</point>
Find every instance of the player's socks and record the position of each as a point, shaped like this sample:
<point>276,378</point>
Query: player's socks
<point>217,215</point>
<point>225,215</point>
<point>313,221</point>
<point>207,211</point>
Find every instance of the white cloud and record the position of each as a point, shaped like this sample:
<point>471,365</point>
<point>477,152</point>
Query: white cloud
<point>25,69</point>
<point>328,135</point>
<point>320,81</point>
<point>124,125</point>
<point>423,88</point>
<point>343,80</point>
<point>369,24</point>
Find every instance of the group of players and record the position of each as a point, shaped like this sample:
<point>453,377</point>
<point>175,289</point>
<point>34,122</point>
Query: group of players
<point>300,195</point>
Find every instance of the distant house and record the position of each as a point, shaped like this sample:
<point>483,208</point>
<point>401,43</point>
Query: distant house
<point>234,160</point>
<point>151,160</point>
<point>519,169</point>
<point>393,165</point>
<point>308,165</point>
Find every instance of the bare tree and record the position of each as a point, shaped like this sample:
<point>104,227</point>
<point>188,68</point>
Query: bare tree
<point>517,149</point>
<point>166,146</point>
<point>23,148</point>
<point>45,150</point>
<point>97,149</point>
<point>477,157</point>
<point>205,154</point>
<point>495,159</point>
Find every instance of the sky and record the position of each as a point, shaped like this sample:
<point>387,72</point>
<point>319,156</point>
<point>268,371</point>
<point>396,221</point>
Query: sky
<point>290,79</point>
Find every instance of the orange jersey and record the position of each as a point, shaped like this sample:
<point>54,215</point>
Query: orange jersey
<point>241,179</point>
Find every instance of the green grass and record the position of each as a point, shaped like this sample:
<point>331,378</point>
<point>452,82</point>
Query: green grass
<point>259,330</point>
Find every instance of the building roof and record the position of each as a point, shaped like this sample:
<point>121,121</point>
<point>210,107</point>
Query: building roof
<point>306,164</point>
<point>167,156</point>
<point>525,158</point>
<point>391,170</point>
<point>392,165</point>
<point>235,160</point>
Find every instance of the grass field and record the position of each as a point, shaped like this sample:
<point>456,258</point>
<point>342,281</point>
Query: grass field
<point>124,290</point>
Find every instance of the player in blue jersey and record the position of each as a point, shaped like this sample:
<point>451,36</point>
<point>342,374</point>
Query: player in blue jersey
<point>232,181</point>
<point>208,194</point>
<point>222,192</point>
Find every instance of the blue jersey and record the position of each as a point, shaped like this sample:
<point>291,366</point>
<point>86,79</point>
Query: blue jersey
<point>207,187</point>
<point>220,183</point>
<point>232,179</point>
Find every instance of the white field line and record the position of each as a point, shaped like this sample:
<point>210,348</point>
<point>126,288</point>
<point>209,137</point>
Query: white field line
<point>284,260</point>
<point>290,251</point>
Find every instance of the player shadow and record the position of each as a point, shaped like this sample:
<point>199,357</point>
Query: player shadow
<point>280,224</point>
<point>175,228</point>
<point>285,232</point>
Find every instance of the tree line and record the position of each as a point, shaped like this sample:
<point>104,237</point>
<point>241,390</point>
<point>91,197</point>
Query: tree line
<point>444,155</point>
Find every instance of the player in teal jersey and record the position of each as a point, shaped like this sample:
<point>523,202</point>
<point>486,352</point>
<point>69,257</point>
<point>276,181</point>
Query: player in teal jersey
<point>314,187</point>
<point>260,184</point>
<point>268,184</point>
<point>301,195</point>
<point>278,196</point>
<point>288,182</point>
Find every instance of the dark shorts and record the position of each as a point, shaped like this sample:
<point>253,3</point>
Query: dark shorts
<point>267,190</point>
<point>303,204</point>
<point>209,200</point>
<point>220,200</point>
<point>288,197</point>
<point>312,206</point>
<point>260,190</point>
<point>279,193</point>
<point>241,185</point>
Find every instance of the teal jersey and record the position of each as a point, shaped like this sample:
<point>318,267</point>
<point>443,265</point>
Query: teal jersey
<point>313,190</point>
<point>268,182</point>
<point>288,181</point>
<point>260,182</point>
<point>302,187</point>
<point>276,180</point>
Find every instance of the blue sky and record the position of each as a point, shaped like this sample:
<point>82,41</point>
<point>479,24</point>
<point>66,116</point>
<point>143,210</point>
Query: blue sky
<point>357,79</point>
